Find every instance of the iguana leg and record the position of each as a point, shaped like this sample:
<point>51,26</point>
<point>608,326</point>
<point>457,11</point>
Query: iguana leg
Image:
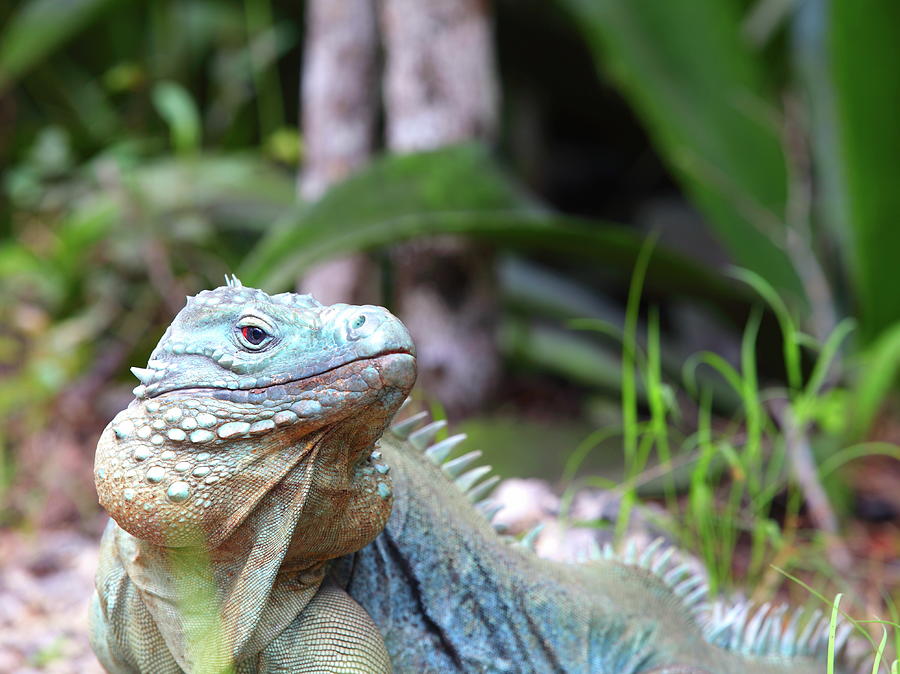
<point>122,632</point>
<point>332,634</point>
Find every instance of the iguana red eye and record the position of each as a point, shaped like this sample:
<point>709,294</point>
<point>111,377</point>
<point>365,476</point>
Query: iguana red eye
<point>253,334</point>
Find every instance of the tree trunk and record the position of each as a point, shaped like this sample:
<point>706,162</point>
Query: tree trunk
<point>338,102</point>
<point>440,88</point>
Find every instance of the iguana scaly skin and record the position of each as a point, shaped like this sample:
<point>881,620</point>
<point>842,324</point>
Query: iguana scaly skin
<point>265,521</point>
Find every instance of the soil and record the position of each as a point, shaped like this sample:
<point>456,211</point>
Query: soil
<point>46,581</point>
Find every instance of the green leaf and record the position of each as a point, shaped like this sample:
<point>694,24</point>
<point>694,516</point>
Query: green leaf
<point>238,189</point>
<point>38,28</point>
<point>701,92</point>
<point>175,105</point>
<point>809,52</point>
<point>864,52</point>
<point>456,190</point>
<point>570,356</point>
<point>875,380</point>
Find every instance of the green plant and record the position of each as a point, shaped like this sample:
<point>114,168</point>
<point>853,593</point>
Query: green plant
<point>786,145</point>
<point>737,467</point>
<point>76,304</point>
<point>456,190</point>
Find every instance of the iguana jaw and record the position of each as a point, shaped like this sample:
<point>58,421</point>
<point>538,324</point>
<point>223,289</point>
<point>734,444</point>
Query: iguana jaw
<point>287,387</point>
<point>171,469</point>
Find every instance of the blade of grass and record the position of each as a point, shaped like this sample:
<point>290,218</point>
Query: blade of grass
<point>875,380</point>
<point>832,629</point>
<point>629,386</point>
<point>895,621</point>
<point>818,595</point>
<point>700,496</point>
<point>658,408</point>
<point>827,356</point>
<point>879,652</point>
<point>717,363</point>
<point>790,347</point>
<point>750,395</point>
<point>838,459</point>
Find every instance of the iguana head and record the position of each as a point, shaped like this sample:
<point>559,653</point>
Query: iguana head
<point>250,397</point>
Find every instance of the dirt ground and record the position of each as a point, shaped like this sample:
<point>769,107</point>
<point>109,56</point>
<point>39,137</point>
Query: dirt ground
<point>46,580</point>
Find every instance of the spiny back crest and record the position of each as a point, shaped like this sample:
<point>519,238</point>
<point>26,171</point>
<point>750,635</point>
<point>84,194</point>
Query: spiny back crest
<point>739,625</point>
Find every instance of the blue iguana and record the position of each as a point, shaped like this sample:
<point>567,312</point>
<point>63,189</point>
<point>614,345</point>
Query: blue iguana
<point>267,518</point>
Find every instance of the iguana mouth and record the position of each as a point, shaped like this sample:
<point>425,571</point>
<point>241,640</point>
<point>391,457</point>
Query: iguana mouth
<point>278,388</point>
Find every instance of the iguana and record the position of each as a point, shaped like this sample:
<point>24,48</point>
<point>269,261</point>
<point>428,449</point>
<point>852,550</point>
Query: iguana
<point>267,518</point>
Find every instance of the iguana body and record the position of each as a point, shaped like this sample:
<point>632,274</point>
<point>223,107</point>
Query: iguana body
<point>249,482</point>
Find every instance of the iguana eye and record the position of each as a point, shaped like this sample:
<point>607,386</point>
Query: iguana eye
<point>253,337</point>
<point>253,334</point>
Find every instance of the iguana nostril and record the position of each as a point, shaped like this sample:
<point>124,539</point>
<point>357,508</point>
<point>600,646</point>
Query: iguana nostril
<point>361,325</point>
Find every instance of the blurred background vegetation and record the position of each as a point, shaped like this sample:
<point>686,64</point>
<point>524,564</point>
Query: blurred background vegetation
<point>677,222</point>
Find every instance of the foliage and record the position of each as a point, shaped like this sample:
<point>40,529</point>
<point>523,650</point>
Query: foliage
<point>738,469</point>
<point>697,75</point>
<point>712,81</point>
<point>37,29</point>
<point>76,301</point>
<point>862,51</point>
<point>122,60</point>
<point>667,58</point>
<point>454,190</point>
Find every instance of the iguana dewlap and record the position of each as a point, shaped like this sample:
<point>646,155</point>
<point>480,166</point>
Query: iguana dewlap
<point>255,454</point>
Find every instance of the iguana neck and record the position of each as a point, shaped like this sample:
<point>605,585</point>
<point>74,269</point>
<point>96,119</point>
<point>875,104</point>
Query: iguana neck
<point>272,562</point>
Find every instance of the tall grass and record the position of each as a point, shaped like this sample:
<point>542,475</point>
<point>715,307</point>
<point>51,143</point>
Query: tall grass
<point>738,466</point>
